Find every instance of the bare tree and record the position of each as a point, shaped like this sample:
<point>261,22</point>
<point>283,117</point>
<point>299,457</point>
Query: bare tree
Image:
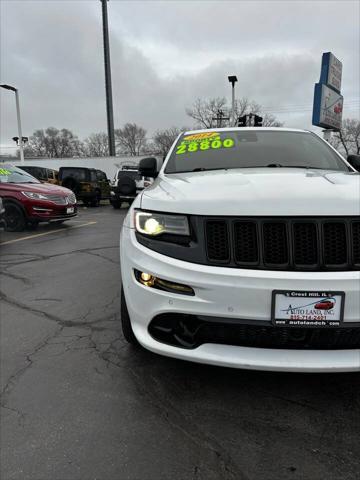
<point>131,139</point>
<point>269,120</point>
<point>53,143</point>
<point>163,139</point>
<point>96,145</point>
<point>204,111</point>
<point>243,106</point>
<point>347,140</point>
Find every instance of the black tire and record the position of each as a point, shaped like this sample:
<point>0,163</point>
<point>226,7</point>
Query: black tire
<point>72,184</point>
<point>116,205</point>
<point>95,202</point>
<point>126,186</point>
<point>14,218</point>
<point>126,322</point>
<point>33,225</point>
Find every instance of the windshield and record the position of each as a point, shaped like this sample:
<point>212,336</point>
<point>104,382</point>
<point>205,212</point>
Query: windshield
<point>129,173</point>
<point>211,150</point>
<point>38,172</point>
<point>10,174</point>
<point>80,174</point>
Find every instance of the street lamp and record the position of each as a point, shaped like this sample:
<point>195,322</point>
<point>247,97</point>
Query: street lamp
<point>233,79</point>
<point>13,89</point>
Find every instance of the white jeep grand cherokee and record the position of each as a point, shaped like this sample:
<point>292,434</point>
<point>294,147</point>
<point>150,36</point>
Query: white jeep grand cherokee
<point>245,252</point>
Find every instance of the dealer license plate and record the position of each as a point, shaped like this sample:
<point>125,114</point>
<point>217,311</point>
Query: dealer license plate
<point>70,210</point>
<point>307,309</point>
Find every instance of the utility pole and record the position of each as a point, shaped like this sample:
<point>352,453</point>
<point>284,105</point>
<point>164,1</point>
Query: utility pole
<point>219,118</point>
<point>108,88</point>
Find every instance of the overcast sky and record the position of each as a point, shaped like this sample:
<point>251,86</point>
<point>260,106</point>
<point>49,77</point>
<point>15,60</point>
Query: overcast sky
<point>164,54</point>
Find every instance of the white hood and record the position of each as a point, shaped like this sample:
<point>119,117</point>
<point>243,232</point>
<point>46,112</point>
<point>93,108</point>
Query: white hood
<point>256,191</point>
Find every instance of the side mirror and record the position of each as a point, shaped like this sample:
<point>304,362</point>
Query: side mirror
<point>354,161</point>
<point>148,167</point>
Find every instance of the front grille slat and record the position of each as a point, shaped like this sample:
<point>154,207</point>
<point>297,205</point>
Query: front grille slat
<point>246,243</point>
<point>305,243</point>
<point>355,241</point>
<point>335,245</point>
<point>218,248</point>
<point>276,250</point>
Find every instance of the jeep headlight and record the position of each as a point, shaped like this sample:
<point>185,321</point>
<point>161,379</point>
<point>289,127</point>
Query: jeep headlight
<point>155,223</point>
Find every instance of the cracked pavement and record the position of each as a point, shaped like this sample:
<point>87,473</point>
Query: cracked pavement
<point>78,403</point>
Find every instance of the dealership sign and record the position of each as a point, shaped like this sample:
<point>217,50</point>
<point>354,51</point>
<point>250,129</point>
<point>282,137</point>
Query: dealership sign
<point>328,101</point>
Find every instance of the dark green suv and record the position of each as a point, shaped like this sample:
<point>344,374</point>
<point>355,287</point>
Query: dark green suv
<point>88,184</point>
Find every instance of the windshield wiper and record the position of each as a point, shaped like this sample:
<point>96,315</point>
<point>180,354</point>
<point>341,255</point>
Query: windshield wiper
<point>200,169</point>
<point>204,169</point>
<point>278,165</point>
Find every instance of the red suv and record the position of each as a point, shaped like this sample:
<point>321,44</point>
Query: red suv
<point>28,202</point>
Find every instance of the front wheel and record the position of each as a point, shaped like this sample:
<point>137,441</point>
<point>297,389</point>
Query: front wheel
<point>95,202</point>
<point>126,322</point>
<point>14,218</point>
<point>116,205</point>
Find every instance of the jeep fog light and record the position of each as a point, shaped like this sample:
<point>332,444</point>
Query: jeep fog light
<point>149,280</point>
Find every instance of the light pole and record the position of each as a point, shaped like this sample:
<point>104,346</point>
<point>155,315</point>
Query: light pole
<point>108,88</point>
<point>233,79</point>
<point>9,87</point>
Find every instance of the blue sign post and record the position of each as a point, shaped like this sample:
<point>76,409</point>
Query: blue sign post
<point>328,101</point>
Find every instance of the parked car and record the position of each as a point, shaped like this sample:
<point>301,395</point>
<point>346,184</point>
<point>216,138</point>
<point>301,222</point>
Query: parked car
<point>243,231</point>
<point>89,185</point>
<point>126,185</point>
<point>44,174</point>
<point>2,213</point>
<point>27,201</point>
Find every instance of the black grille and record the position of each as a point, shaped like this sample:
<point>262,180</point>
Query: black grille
<point>335,248</point>
<point>275,244</point>
<point>309,244</point>
<point>190,331</point>
<point>217,240</point>
<point>355,240</point>
<point>305,244</point>
<point>245,239</point>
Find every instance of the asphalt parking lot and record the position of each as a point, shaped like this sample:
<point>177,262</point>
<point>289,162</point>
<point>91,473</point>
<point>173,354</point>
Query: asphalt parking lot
<point>78,403</point>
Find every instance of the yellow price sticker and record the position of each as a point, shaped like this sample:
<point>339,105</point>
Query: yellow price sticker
<point>197,137</point>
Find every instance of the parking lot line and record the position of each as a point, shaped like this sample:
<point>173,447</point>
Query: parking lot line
<point>45,233</point>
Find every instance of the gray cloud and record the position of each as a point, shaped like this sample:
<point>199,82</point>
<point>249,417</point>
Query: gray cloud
<point>164,55</point>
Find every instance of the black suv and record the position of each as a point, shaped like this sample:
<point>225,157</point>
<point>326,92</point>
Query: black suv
<point>88,184</point>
